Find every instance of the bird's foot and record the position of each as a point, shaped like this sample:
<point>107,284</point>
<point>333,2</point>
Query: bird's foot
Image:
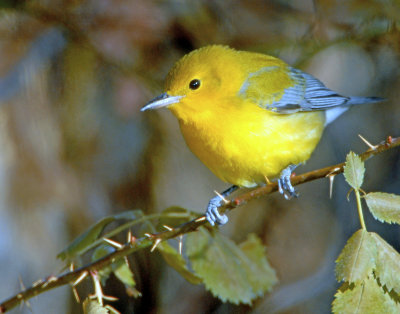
<point>285,186</point>
<point>212,214</point>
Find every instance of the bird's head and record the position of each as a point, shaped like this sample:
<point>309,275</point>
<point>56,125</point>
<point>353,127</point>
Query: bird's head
<point>194,85</point>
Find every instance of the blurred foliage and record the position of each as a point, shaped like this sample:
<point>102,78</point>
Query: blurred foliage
<point>368,265</point>
<point>75,148</point>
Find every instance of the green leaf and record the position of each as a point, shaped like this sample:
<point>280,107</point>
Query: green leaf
<point>365,297</point>
<point>174,216</point>
<point>384,206</point>
<point>256,252</point>
<point>176,261</point>
<point>119,267</point>
<point>387,264</point>
<point>354,170</point>
<point>124,273</point>
<point>101,251</point>
<point>93,307</point>
<point>82,242</point>
<point>357,260</point>
<point>237,274</point>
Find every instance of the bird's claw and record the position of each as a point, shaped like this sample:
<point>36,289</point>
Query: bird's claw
<point>212,214</point>
<point>285,186</point>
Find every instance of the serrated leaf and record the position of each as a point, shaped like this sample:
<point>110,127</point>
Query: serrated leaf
<point>124,273</point>
<point>384,206</point>
<point>354,170</point>
<point>256,252</point>
<point>387,264</point>
<point>232,273</point>
<point>365,297</point>
<point>176,261</point>
<point>82,242</point>
<point>357,259</point>
<point>119,267</point>
<point>93,307</point>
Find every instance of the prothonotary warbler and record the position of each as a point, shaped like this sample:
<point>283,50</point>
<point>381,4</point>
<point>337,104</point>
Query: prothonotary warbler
<point>248,116</point>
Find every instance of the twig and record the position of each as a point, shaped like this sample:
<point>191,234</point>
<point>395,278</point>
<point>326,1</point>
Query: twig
<point>152,240</point>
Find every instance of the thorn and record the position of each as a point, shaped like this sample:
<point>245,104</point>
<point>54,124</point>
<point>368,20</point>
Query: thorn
<point>222,197</point>
<point>129,236</point>
<point>389,140</point>
<point>333,172</point>
<point>148,235</point>
<point>156,243</point>
<point>109,298</point>
<point>71,267</point>
<point>331,179</point>
<point>126,261</point>
<point>76,295</point>
<point>267,180</point>
<point>23,288</point>
<point>80,278</point>
<point>373,147</point>
<point>168,228</point>
<point>202,218</point>
<point>98,292</point>
<point>113,243</point>
<point>36,283</point>
<point>21,283</point>
<point>180,244</point>
<point>49,280</point>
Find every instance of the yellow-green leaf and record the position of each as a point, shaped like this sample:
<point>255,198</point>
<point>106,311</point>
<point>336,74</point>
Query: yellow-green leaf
<point>354,170</point>
<point>256,253</point>
<point>124,273</point>
<point>82,242</point>
<point>384,206</point>
<point>366,297</point>
<point>237,274</point>
<point>387,264</point>
<point>176,261</point>
<point>357,260</point>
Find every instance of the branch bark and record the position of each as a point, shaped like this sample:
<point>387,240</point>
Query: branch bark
<point>151,240</point>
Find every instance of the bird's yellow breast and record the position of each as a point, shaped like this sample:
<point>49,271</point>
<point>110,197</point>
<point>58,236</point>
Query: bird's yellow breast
<point>246,143</point>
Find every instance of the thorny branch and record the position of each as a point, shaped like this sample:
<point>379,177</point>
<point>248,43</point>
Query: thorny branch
<point>151,240</point>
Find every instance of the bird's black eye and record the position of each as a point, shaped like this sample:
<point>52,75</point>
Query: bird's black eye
<point>194,84</point>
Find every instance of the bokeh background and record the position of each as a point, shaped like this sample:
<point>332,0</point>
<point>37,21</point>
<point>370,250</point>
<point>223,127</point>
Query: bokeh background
<point>74,146</point>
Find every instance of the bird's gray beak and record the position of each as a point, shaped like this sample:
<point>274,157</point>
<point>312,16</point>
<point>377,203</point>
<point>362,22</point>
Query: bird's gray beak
<point>163,100</point>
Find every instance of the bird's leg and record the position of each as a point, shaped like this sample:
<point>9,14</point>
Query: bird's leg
<point>285,186</point>
<point>212,214</point>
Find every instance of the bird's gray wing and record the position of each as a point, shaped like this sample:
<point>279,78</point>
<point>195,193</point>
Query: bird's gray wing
<point>305,94</point>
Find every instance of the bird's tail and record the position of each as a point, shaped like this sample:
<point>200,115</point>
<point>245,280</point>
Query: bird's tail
<point>363,100</point>
<point>332,114</point>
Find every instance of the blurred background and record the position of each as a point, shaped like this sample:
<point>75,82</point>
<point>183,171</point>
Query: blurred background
<point>74,146</point>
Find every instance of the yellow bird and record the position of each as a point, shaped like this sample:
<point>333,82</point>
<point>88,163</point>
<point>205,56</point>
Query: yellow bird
<point>248,116</point>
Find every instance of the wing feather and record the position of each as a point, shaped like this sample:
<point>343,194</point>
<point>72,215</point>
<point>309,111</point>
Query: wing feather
<point>304,92</point>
